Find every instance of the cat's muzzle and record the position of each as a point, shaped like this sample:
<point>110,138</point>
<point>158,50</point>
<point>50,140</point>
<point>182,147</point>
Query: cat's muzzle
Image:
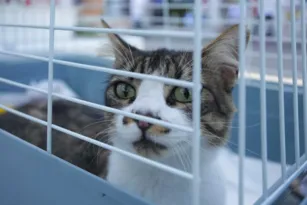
<point>147,147</point>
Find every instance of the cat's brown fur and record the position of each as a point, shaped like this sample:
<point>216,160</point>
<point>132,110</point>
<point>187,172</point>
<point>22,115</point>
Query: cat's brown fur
<point>71,116</point>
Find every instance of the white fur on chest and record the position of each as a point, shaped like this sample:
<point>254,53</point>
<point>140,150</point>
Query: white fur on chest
<point>153,184</point>
<point>163,188</point>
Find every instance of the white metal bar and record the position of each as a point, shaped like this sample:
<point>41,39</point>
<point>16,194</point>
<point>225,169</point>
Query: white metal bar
<point>155,33</point>
<point>183,5</point>
<point>169,81</point>
<point>4,38</point>
<point>295,90</point>
<point>133,156</point>
<point>134,32</point>
<point>250,54</point>
<point>24,26</point>
<point>281,90</point>
<point>174,19</point>
<point>24,55</point>
<point>50,76</point>
<point>263,102</point>
<point>196,101</point>
<point>101,107</point>
<point>158,33</point>
<point>251,75</point>
<point>21,85</point>
<point>103,145</point>
<point>304,66</point>
<point>128,114</point>
<point>275,55</point>
<point>242,99</point>
<point>292,176</point>
<point>280,185</point>
<point>166,18</point>
<point>23,115</point>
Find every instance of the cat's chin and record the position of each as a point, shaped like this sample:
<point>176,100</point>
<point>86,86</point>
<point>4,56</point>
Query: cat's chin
<point>148,148</point>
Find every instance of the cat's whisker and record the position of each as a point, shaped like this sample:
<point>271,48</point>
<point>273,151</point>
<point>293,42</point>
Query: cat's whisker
<point>105,132</point>
<point>234,127</point>
<point>177,153</point>
<point>187,64</point>
<point>249,126</point>
<point>185,155</point>
<point>182,59</point>
<point>190,144</point>
<point>106,139</point>
<point>91,124</point>
<point>248,150</point>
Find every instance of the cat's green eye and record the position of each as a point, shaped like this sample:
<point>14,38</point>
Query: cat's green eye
<point>182,95</point>
<point>124,90</point>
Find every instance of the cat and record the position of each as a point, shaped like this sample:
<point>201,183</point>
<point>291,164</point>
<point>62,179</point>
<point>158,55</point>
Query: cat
<point>153,99</point>
<point>171,104</point>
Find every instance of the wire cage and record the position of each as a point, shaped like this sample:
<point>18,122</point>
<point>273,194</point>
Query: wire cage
<point>56,39</point>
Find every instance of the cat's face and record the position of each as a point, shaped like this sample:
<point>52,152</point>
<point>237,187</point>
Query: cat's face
<point>170,103</point>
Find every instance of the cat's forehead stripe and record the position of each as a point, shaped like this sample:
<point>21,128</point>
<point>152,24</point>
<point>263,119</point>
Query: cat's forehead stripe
<point>171,64</point>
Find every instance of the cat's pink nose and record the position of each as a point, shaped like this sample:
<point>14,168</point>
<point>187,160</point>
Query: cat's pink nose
<point>143,125</point>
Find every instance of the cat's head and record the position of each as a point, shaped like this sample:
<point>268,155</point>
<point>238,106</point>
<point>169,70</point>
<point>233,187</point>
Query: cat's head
<point>170,103</point>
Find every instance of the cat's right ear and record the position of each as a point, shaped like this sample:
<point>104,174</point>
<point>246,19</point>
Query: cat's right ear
<point>121,49</point>
<point>223,55</point>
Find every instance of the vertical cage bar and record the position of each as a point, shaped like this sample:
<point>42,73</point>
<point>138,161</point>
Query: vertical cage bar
<point>263,101</point>
<point>50,76</point>
<point>242,98</point>
<point>3,30</point>
<point>16,31</point>
<point>304,66</point>
<point>281,90</point>
<point>295,90</point>
<point>251,19</point>
<point>166,18</point>
<point>196,100</point>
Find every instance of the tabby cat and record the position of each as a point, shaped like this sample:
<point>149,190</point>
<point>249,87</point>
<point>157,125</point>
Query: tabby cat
<point>171,104</point>
<point>156,100</point>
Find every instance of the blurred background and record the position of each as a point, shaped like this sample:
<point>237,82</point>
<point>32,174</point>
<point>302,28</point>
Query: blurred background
<point>175,15</point>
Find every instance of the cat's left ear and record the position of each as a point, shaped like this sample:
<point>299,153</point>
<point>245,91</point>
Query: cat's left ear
<point>222,54</point>
<point>122,50</point>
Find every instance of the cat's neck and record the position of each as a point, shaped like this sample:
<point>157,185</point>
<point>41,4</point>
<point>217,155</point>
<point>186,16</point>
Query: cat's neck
<point>165,188</point>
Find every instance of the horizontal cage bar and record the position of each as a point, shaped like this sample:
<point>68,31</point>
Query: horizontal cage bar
<point>103,145</point>
<point>169,81</point>
<point>102,107</point>
<point>158,33</point>
<point>153,33</point>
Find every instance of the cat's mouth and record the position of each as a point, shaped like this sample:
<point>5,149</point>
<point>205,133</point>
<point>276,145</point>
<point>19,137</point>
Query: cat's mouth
<point>146,147</point>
